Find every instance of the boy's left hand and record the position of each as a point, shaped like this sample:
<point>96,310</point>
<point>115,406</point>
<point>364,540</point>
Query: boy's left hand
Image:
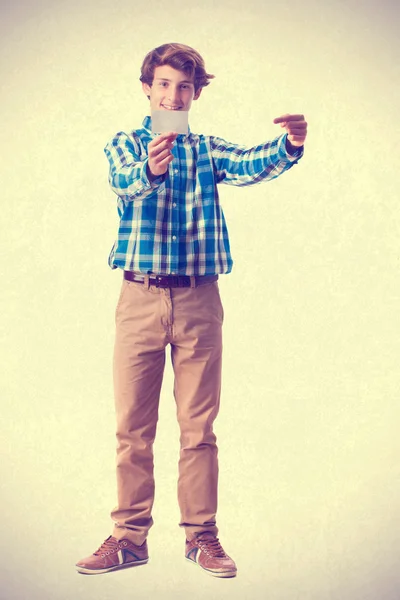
<point>295,126</point>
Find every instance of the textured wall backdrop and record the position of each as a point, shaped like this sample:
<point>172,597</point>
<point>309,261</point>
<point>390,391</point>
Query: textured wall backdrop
<point>308,428</point>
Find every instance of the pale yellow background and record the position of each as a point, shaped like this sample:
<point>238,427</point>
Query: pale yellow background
<point>309,424</point>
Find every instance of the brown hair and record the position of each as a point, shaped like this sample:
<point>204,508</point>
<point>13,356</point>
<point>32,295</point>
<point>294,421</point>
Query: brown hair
<point>179,57</point>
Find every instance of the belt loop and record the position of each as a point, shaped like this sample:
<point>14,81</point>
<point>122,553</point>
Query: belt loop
<point>146,281</point>
<point>192,281</point>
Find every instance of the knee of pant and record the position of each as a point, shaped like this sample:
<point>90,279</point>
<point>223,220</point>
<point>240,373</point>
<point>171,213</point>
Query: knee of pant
<point>197,438</point>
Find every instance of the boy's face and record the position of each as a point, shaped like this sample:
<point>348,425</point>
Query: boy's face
<point>171,90</point>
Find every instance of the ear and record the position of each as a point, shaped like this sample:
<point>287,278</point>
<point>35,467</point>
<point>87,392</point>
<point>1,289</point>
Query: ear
<point>146,89</point>
<point>197,94</point>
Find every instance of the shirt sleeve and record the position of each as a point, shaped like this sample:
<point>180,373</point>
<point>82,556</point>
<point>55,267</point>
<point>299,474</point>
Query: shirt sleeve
<point>237,165</point>
<point>127,175</point>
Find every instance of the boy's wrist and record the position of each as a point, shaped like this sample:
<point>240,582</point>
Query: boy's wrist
<point>151,177</point>
<point>290,149</point>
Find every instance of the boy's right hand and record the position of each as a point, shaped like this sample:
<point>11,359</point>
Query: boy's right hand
<point>159,152</point>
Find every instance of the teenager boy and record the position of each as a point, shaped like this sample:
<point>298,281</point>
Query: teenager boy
<point>172,245</point>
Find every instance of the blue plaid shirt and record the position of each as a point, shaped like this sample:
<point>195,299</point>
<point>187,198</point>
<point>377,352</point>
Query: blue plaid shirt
<point>175,224</point>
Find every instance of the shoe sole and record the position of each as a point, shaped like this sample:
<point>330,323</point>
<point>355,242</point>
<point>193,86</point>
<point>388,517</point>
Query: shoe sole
<point>86,571</point>
<point>224,574</point>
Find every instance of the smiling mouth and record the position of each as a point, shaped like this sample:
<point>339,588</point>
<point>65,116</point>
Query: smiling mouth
<point>171,107</point>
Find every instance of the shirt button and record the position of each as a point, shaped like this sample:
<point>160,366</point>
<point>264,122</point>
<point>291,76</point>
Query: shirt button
<point>175,171</point>
<point>174,237</point>
<point>174,204</point>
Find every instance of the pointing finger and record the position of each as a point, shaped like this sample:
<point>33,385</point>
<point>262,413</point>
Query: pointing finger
<point>286,118</point>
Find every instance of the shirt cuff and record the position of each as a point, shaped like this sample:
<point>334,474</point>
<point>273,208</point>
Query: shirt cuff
<point>155,182</point>
<point>284,154</point>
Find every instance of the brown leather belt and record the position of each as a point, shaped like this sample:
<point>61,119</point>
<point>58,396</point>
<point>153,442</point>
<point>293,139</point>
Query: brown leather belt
<point>169,281</point>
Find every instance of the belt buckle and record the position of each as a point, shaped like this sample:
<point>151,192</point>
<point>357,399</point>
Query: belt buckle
<point>158,279</point>
<point>172,281</point>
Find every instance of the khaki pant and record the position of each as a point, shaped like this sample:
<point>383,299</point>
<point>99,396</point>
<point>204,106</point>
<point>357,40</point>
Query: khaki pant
<point>147,320</point>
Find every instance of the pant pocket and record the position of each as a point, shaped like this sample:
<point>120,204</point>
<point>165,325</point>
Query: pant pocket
<point>216,288</point>
<point>124,287</point>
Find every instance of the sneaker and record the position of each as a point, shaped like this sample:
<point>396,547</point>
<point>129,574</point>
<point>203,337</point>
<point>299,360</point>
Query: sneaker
<point>207,552</point>
<point>112,555</point>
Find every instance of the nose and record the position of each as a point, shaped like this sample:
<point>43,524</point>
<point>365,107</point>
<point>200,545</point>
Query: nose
<point>173,96</point>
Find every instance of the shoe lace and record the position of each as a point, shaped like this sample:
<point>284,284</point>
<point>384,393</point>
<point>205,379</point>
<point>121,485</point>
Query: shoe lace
<point>212,547</point>
<point>109,544</point>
